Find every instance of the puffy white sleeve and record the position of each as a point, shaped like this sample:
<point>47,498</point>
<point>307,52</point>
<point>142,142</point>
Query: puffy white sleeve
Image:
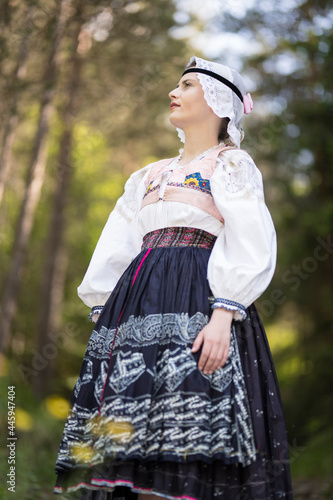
<point>243,258</point>
<point>119,243</point>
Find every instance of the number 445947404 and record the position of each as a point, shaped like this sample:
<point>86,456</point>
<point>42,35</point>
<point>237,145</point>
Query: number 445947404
<point>11,410</point>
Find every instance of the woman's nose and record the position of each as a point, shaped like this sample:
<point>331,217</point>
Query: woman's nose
<point>173,94</point>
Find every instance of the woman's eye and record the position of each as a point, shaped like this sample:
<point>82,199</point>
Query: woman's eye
<point>187,84</point>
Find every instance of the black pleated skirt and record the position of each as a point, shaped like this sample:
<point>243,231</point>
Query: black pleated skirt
<point>144,419</point>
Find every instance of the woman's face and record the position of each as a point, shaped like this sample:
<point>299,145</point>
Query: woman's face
<point>188,106</point>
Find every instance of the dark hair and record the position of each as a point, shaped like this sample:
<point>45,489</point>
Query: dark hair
<point>223,132</point>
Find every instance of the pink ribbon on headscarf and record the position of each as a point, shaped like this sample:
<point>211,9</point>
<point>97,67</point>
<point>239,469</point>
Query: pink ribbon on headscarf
<point>248,103</point>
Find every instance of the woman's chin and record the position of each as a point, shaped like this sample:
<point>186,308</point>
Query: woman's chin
<point>176,123</point>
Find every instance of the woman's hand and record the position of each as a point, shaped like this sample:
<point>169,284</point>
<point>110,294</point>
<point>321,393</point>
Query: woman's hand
<point>94,317</point>
<point>215,337</point>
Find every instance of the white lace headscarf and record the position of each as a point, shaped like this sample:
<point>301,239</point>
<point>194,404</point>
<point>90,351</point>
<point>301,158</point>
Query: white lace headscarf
<point>223,101</point>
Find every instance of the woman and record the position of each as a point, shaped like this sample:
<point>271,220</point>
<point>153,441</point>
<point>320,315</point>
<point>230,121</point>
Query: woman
<point>177,395</point>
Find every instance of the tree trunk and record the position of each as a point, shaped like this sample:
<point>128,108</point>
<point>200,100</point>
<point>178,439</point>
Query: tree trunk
<point>55,252</point>
<point>11,126</point>
<point>5,18</point>
<point>34,185</point>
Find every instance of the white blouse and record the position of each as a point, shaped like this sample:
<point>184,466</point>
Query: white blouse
<point>242,261</point>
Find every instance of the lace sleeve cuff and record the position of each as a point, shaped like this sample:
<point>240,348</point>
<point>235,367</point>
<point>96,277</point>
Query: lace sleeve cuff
<point>95,311</point>
<point>230,305</point>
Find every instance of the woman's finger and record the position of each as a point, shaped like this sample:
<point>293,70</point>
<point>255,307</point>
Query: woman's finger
<point>198,341</point>
<point>225,355</point>
<point>204,356</point>
<point>214,360</point>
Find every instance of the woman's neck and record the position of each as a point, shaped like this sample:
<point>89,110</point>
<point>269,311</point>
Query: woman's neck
<point>193,151</point>
<point>195,145</point>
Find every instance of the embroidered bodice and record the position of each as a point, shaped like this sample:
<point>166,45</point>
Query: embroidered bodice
<point>222,195</point>
<point>190,183</point>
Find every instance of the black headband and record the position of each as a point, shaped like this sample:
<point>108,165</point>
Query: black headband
<point>217,77</point>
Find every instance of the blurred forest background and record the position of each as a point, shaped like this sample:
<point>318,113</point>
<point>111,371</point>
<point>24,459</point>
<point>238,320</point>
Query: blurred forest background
<point>83,104</point>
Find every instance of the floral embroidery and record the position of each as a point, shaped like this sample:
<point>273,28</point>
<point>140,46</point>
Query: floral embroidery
<point>196,181</point>
<point>192,181</point>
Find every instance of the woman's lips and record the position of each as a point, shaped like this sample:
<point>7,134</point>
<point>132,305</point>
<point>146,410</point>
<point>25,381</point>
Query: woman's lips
<point>174,105</point>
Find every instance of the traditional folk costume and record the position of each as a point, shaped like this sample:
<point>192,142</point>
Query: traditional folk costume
<point>183,239</point>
